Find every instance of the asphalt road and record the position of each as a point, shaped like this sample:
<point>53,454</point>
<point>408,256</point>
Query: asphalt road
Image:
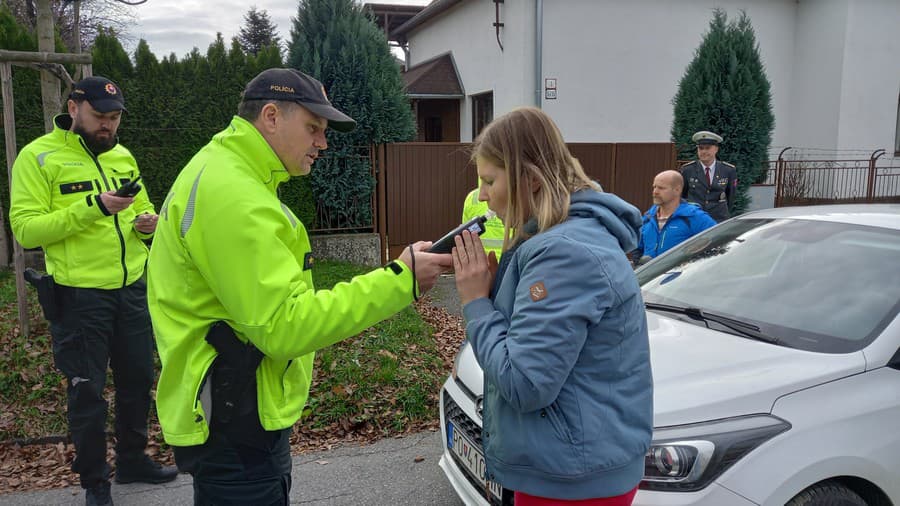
<point>385,473</point>
<point>444,295</point>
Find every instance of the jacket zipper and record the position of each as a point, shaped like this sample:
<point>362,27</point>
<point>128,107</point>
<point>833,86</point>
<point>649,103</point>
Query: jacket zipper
<point>115,216</point>
<point>661,239</point>
<point>661,234</point>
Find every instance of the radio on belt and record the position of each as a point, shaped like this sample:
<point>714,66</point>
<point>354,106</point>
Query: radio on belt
<point>475,225</point>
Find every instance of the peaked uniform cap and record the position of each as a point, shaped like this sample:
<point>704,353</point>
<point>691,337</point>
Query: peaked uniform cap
<point>706,137</point>
<point>294,86</point>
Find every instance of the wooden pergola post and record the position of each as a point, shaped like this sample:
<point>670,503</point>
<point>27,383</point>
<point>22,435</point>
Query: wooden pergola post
<point>25,58</point>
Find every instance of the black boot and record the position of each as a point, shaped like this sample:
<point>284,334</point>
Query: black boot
<point>144,470</point>
<point>98,495</point>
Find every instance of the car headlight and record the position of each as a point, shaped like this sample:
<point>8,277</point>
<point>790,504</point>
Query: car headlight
<point>453,372</point>
<point>686,458</point>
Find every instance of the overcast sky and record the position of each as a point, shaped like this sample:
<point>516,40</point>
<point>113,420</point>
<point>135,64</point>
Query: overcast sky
<point>180,25</point>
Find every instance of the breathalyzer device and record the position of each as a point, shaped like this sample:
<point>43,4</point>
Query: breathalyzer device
<point>475,225</point>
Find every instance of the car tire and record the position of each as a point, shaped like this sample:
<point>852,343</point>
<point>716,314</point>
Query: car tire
<point>827,493</point>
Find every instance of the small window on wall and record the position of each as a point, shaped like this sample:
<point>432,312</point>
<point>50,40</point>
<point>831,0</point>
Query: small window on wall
<point>482,111</point>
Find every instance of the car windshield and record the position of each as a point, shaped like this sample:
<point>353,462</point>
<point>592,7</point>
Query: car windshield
<point>813,285</point>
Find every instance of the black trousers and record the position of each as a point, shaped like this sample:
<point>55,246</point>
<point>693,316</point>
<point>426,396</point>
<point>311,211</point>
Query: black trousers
<point>100,328</point>
<point>240,463</point>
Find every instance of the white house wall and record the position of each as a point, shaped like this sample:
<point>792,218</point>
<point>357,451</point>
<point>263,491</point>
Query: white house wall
<point>467,30</point>
<point>818,65</point>
<point>618,64</point>
<point>871,76</point>
<point>831,63</point>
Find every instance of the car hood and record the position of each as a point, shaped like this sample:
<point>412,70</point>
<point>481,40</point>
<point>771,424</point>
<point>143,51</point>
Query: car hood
<point>701,374</point>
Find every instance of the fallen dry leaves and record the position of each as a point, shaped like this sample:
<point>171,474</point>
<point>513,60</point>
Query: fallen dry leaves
<point>47,463</point>
<point>448,335</point>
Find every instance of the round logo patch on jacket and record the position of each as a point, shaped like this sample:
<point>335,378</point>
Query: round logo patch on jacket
<point>538,291</point>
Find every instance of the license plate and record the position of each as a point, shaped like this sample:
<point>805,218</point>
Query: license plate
<point>472,459</point>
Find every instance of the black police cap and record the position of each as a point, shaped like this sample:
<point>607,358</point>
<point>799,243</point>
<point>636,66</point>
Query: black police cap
<point>103,94</point>
<point>295,86</point>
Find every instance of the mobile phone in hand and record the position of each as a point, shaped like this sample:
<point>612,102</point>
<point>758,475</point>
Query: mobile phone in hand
<point>129,189</point>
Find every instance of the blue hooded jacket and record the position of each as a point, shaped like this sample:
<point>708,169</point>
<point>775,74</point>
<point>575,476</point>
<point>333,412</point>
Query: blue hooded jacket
<point>688,220</point>
<point>568,400</point>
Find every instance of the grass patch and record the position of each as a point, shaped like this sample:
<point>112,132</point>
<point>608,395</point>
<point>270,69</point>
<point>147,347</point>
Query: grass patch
<point>386,378</point>
<point>381,381</point>
<point>7,287</point>
<point>32,392</point>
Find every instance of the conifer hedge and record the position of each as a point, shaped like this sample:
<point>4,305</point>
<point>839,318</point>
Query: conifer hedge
<point>175,105</point>
<point>725,90</point>
<point>337,43</point>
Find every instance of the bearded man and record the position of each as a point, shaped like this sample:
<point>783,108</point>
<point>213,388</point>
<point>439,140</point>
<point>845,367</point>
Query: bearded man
<point>64,199</point>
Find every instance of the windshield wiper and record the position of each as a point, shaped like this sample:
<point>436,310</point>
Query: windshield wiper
<point>746,329</point>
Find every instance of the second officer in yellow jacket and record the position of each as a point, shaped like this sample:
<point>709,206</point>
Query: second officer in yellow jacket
<point>492,238</point>
<point>63,199</point>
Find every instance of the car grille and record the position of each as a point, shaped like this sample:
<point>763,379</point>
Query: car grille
<point>461,421</point>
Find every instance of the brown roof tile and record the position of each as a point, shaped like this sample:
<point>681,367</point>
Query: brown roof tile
<point>436,76</point>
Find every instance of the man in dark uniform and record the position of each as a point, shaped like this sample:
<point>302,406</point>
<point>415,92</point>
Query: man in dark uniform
<point>709,182</point>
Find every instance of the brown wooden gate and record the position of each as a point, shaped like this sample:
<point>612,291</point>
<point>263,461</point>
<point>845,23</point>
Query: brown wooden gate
<point>421,185</point>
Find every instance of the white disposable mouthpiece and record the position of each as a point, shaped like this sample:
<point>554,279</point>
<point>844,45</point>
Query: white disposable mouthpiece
<point>490,214</point>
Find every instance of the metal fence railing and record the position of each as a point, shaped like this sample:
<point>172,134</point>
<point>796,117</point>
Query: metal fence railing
<point>768,178</point>
<point>805,181</point>
<point>356,214</point>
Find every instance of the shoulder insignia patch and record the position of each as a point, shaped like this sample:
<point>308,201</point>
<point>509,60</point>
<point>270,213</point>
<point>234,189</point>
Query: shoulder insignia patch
<point>538,291</point>
<point>686,164</point>
<point>728,164</point>
<point>77,187</point>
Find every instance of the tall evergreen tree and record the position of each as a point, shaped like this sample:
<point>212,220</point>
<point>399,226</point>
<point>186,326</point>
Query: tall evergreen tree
<point>258,32</point>
<point>109,57</point>
<point>725,90</point>
<point>336,42</point>
<point>27,106</point>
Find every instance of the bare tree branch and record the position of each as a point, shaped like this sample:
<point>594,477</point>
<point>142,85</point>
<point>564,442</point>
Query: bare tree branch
<point>57,70</point>
<point>114,15</point>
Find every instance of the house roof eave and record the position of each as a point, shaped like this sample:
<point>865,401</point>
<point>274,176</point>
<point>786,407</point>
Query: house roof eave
<point>433,10</point>
<point>431,96</point>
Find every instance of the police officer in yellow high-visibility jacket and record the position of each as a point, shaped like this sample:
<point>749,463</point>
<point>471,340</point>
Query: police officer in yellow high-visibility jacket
<point>229,257</point>
<point>63,199</point>
<point>492,239</point>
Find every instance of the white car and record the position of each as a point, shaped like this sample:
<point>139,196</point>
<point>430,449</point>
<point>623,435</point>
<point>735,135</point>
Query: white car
<point>775,344</point>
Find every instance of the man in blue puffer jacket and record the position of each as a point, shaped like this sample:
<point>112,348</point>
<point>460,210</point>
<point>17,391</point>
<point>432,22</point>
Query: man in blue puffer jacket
<point>670,220</point>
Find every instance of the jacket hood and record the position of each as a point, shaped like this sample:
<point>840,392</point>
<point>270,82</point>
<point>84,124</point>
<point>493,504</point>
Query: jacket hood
<point>686,209</point>
<point>245,141</point>
<point>622,219</point>
<point>63,121</point>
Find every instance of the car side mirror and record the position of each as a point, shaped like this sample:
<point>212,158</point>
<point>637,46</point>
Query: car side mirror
<point>894,362</point>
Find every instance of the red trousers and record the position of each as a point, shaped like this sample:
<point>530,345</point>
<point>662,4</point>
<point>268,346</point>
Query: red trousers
<point>625,499</point>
